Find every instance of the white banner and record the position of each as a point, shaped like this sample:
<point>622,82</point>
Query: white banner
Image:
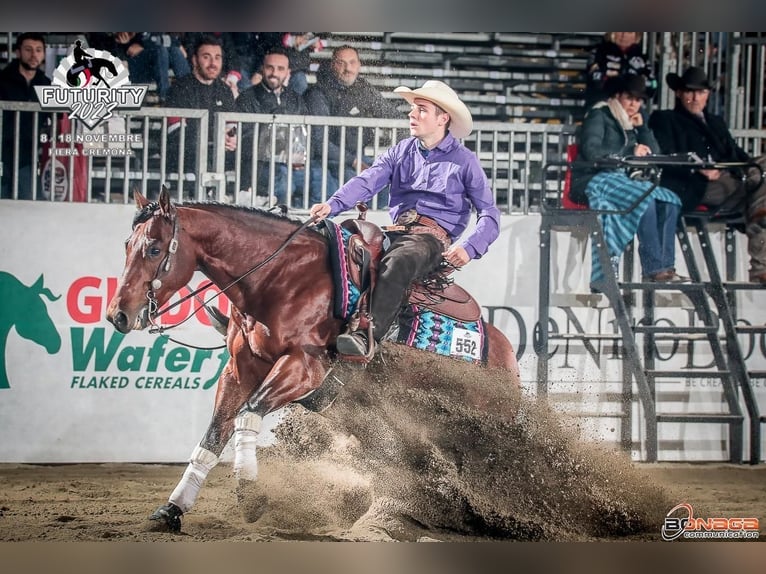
<point>73,389</point>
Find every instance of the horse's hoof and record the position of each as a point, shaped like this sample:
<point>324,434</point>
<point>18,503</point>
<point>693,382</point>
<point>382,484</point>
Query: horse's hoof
<point>170,514</point>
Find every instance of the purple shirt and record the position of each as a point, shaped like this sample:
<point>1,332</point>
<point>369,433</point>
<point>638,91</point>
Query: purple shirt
<point>443,186</point>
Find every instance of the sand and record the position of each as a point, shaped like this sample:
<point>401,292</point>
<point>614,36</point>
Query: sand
<point>434,449</point>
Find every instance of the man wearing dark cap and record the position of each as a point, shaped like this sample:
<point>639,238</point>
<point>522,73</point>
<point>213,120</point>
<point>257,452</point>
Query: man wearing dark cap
<point>689,127</point>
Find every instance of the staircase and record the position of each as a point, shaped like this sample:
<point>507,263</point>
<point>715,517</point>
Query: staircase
<point>712,329</point>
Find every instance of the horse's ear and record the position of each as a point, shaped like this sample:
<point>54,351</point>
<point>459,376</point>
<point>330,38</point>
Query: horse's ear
<point>164,201</point>
<point>38,285</point>
<point>141,201</point>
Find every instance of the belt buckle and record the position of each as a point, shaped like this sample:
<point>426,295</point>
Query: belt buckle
<point>407,217</point>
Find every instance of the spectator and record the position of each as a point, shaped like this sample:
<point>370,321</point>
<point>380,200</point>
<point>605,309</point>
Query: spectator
<point>616,127</point>
<point>253,46</point>
<point>435,183</point>
<point>271,96</point>
<point>243,54</point>
<point>340,91</point>
<point>202,89</point>
<point>618,54</point>
<point>17,83</point>
<point>690,127</point>
<point>300,46</point>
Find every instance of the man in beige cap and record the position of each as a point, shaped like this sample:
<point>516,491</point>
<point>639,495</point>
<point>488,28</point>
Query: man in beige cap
<point>435,182</point>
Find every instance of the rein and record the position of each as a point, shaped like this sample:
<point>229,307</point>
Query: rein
<point>155,284</point>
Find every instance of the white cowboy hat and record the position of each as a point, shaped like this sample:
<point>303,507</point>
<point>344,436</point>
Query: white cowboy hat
<point>461,122</point>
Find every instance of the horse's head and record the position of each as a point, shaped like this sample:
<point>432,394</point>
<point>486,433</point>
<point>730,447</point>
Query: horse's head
<point>157,264</point>
<point>28,313</point>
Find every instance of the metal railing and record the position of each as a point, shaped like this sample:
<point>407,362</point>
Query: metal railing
<point>140,154</point>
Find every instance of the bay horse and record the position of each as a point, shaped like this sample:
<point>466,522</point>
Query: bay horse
<point>281,332</point>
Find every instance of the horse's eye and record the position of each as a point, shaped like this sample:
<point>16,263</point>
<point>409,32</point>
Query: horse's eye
<point>154,251</point>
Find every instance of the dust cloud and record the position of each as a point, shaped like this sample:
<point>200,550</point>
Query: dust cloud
<point>423,447</point>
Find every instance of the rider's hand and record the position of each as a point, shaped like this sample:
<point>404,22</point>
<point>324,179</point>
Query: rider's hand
<point>319,211</point>
<point>456,256</point>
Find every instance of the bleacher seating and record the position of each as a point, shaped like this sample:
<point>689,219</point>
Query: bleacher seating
<point>522,77</point>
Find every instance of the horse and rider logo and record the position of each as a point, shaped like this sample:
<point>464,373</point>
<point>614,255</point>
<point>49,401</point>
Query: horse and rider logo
<point>22,307</point>
<point>90,84</point>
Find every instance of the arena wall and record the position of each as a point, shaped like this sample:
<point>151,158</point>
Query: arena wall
<point>100,396</point>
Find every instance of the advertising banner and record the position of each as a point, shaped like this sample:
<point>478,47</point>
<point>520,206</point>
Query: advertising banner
<point>73,389</point>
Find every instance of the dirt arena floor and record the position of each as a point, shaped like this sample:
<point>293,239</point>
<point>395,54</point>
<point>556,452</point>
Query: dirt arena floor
<point>419,455</point>
<point>111,502</point>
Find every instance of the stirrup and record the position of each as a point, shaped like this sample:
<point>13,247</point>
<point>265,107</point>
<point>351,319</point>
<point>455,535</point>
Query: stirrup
<point>357,346</point>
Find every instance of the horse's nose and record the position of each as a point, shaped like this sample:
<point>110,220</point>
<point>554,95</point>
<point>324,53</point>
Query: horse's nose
<point>120,321</point>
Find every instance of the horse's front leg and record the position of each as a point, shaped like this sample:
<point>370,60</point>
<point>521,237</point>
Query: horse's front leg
<point>291,377</point>
<point>230,397</point>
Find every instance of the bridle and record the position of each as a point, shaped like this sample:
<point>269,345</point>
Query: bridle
<point>166,264</point>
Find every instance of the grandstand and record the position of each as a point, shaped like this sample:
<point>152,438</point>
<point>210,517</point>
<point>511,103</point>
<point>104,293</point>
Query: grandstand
<point>527,77</point>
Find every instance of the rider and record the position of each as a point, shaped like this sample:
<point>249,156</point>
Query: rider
<point>435,180</point>
<point>80,55</point>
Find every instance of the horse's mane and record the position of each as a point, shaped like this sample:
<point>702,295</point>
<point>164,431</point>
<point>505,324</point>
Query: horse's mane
<point>241,211</point>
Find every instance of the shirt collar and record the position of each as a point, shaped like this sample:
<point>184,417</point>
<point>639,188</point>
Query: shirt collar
<point>445,145</point>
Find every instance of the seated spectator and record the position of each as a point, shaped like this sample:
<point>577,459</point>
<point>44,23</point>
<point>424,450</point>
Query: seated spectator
<point>271,96</point>
<point>242,54</point>
<point>202,89</point>
<point>300,45</point>
<point>619,54</point>
<point>340,91</point>
<point>690,127</point>
<point>17,83</point>
<point>616,127</point>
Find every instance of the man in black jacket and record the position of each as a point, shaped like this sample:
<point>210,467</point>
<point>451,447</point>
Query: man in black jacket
<point>341,92</point>
<point>689,127</point>
<point>205,90</point>
<point>17,83</point>
<point>271,96</point>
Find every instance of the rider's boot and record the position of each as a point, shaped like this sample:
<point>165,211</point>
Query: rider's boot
<point>354,343</point>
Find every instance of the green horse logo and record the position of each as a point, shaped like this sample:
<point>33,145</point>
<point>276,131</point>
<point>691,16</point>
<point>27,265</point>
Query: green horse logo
<point>22,307</point>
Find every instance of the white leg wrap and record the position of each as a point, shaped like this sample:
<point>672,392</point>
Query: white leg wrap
<point>201,462</point>
<point>246,429</point>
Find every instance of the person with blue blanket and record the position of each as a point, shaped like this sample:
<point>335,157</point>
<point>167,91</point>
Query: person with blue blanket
<point>435,183</point>
<point>616,128</point>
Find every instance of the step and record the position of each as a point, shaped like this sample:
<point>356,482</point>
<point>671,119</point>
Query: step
<point>699,418</point>
<point>585,336</point>
<point>753,329</point>
<point>681,330</point>
<point>757,374</point>
<point>651,286</point>
<point>742,285</point>
<point>688,374</point>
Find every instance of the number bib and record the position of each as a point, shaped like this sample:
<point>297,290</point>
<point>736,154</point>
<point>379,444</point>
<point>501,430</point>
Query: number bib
<point>466,343</point>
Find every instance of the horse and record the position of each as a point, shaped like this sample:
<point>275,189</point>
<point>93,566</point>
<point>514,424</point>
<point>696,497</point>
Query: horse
<point>90,69</point>
<point>22,307</point>
<point>281,331</point>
